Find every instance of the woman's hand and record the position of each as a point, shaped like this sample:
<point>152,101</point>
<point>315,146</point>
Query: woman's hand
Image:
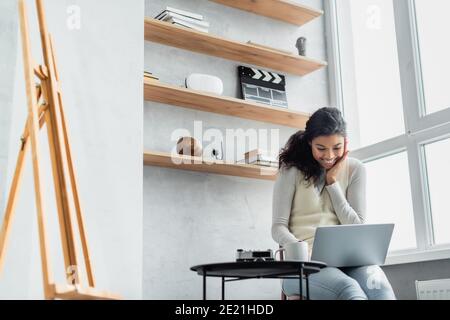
<point>333,172</point>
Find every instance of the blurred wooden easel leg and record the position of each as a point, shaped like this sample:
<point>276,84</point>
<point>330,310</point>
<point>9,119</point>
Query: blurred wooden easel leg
<point>44,102</point>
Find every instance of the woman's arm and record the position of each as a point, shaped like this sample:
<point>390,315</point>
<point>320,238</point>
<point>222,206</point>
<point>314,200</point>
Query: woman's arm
<point>350,210</point>
<point>283,193</point>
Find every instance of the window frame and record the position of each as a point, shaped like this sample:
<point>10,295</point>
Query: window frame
<point>420,128</point>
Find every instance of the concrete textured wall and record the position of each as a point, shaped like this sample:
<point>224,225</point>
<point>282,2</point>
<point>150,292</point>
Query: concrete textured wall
<point>192,218</point>
<point>8,43</point>
<point>403,276</point>
<point>100,68</point>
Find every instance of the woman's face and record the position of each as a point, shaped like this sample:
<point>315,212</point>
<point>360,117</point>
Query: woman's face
<point>327,149</point>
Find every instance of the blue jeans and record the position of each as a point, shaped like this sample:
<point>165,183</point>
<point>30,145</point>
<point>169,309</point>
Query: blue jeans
<point>355,283</point>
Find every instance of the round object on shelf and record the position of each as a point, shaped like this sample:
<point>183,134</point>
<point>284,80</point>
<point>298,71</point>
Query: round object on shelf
<point>189,146</point>
<point>204,82</point>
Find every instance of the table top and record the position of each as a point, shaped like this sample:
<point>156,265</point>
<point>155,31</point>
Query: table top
<point>258,269</point>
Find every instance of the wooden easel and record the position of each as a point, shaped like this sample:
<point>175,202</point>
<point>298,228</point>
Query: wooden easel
<point>45,108</point>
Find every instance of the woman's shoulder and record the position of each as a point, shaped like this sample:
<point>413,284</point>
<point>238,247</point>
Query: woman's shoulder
<point>356,166</point>
<point>354,163</point>
<point>288,173</point>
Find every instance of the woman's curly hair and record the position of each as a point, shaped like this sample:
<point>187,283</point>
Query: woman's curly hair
<point>297,152</point>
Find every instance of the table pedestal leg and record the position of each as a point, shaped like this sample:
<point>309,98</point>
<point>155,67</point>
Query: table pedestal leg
<point>223,288</point>
<point>307,286</point>
<point>300,282</point>
<point>204,286</point>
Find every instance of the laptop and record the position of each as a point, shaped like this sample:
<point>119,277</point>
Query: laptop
<point>352,245</point>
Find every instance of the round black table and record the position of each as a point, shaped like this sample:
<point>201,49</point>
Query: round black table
<point>259,270</point>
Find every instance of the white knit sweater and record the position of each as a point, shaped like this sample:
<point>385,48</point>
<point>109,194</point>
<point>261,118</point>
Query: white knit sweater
<point>298,209</point>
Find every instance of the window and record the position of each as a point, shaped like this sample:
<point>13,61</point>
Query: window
<point>372,71</point>
<point>432,20</point>
<point>389,72</point>
<point>389,198</point>
<point>438,168</point>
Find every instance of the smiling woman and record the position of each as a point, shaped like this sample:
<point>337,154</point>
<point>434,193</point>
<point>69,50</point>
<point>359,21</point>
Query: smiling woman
<point>326,150</point>
<point>319,185</point>
<point>320,146</point>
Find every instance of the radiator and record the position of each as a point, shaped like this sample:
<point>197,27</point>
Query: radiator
<point>438,289</point>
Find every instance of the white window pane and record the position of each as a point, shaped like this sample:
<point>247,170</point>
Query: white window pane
<point>389,198</point>
<point>438,169</point>
<point>432,25</point>
<point>371,82</point>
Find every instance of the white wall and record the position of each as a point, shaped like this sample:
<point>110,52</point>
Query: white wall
<point>8,43</point>
<point>192,218</point>
<point>100,69</point>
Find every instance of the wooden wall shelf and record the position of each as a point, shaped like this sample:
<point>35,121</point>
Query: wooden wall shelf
<point>162,159</point>
<point>201,42</point>
<point>187,98</point>
<point>284,10</point>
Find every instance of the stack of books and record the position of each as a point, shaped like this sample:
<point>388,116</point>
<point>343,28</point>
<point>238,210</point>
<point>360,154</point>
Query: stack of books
<point>184,18</point>
<point>260,158</point>
<point>150,75</point>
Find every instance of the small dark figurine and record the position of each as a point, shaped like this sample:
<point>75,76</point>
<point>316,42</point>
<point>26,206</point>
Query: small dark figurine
<point>218,154</point>
<point>301,46</point>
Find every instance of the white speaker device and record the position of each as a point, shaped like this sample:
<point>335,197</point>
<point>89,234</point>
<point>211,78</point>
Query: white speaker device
<point>205,82</point>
